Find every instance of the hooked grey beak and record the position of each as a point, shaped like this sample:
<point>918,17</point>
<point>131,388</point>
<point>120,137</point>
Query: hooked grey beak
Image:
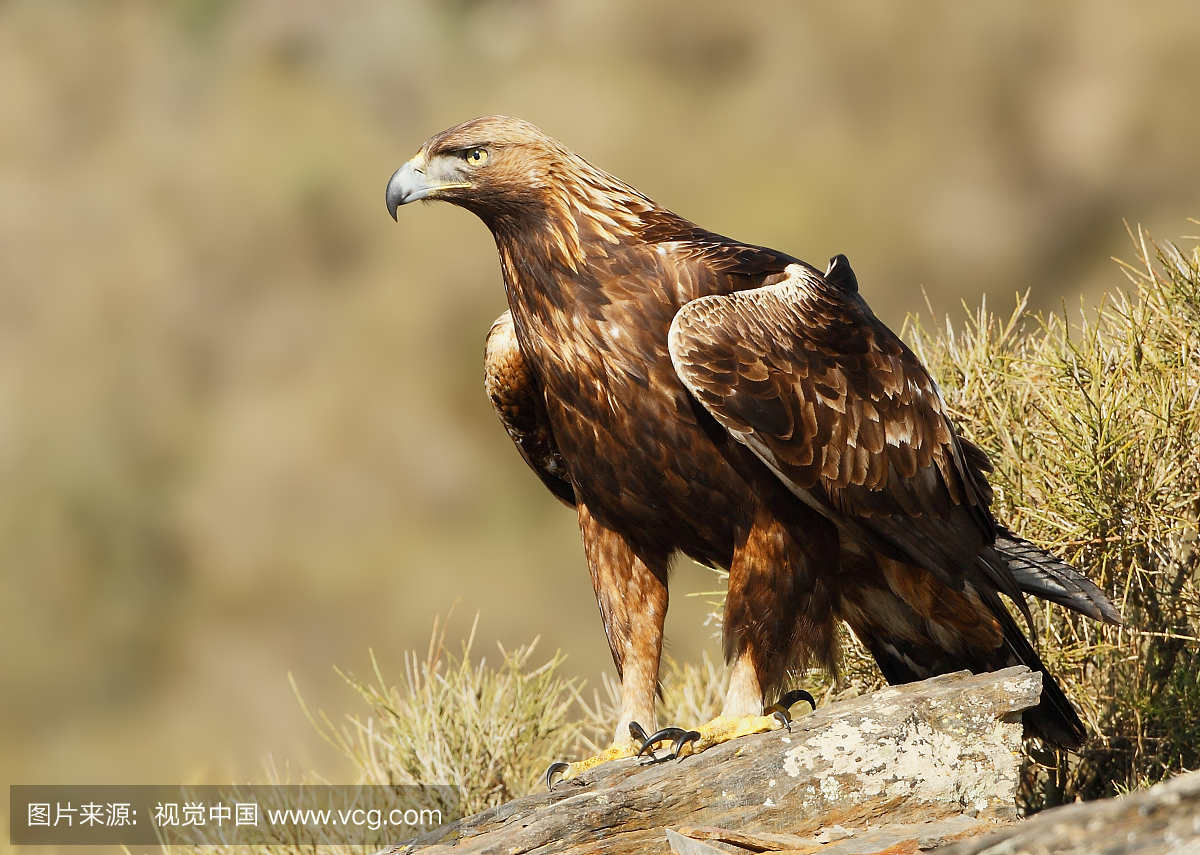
<point>408,184</point>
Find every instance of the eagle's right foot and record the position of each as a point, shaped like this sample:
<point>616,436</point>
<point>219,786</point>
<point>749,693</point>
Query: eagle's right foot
<point>723,729</point>
<point>780,710</point>
<point>618,751</point>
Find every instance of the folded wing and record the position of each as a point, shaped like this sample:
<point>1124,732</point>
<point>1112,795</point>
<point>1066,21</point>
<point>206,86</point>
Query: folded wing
<point>803,373</point>
<point>518,401</point>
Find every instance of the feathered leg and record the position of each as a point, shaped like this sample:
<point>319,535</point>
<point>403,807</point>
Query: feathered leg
<point>779,610</point>
<point>778,616</point>
<point>631,590</point>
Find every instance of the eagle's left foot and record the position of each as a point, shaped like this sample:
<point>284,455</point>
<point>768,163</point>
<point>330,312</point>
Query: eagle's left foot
<point>619,751</point>
<point>678,737</point>
<point>723,729</point>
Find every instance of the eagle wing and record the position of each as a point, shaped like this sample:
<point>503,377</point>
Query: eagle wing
<point>802,372</point>
<point>517,399</point>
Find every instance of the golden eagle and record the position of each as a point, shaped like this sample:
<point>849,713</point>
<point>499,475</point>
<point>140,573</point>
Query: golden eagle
<point>686,392</point>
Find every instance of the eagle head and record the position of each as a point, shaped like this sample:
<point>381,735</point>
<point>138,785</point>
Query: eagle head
<point>492,166</point>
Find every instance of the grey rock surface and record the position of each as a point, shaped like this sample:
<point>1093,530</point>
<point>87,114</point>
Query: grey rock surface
<point>1164,818</point>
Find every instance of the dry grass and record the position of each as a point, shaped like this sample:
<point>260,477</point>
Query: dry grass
<point>1094,429</point>
<point>490,730</point>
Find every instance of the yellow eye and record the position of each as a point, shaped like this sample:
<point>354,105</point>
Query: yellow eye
<point>475,156</point>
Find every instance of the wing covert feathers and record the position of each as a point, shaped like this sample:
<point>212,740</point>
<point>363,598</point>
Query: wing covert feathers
<point>804,374</point>
<point>837,399</point>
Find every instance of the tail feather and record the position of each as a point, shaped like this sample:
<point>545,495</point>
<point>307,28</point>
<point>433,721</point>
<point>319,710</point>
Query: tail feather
<point>913,636</point>
<point>901,660</point>
<point>1054,719</point>
<point>1039,573</point>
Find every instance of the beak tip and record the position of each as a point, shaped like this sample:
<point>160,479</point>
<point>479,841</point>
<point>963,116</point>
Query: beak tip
<point>409,184</point>
<point>397,192</point>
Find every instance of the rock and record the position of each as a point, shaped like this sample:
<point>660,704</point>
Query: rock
<point>890,838</point>
<point>1164,818</point>
<point>903,756</point>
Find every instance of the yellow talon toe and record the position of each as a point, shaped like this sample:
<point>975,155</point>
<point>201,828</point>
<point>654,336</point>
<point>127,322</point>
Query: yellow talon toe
<point>722,729</point>
<point>573,770</point>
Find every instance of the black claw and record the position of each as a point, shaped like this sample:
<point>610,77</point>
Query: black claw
<point>780,710</point>
<point>682,740</point>
<point>794,697</point>
<point>783,718</point>
<point>554,769</point>
<point>637,733</point>
<point>663,735</point>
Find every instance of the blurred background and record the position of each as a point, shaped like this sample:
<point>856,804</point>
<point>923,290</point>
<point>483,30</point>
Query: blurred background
<point>242,430</point>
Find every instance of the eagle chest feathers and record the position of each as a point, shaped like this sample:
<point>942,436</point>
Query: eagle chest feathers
<point>596,338</point>
<point>686,392</point>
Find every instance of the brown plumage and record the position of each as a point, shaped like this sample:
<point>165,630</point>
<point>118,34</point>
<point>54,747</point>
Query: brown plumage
<point>689,393</point>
